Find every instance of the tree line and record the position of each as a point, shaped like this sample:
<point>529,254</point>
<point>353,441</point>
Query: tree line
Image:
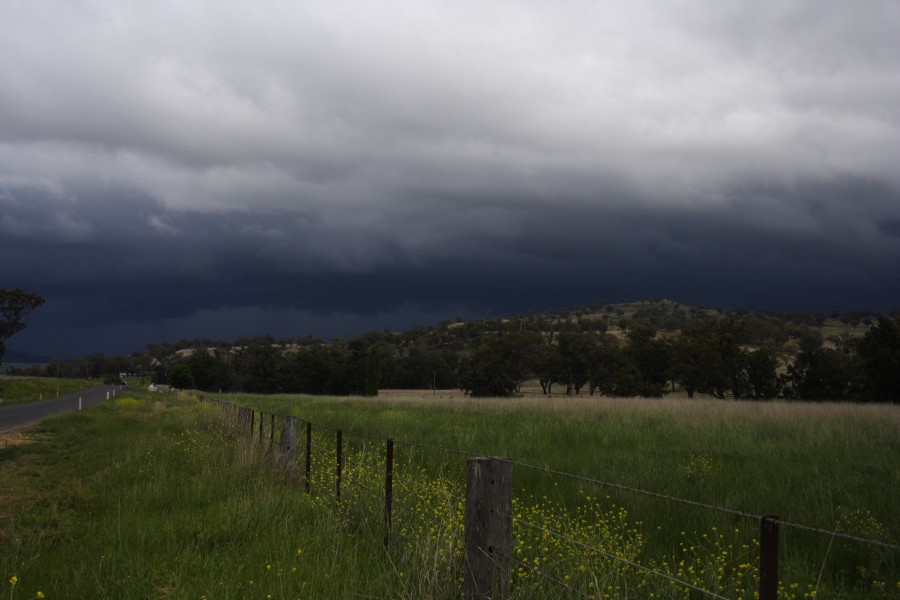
<point>711,357</point>
<point>648,349</point>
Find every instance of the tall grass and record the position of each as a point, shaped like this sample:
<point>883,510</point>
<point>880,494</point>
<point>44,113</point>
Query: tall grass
<point>798,460</point>
<point>149,497</point>
<point>831,466</point>
<point>156,499</point>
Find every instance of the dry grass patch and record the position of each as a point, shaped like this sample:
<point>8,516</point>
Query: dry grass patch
<point>699,411</point>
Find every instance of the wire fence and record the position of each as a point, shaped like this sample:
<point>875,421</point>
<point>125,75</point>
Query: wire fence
<point>401,493</point>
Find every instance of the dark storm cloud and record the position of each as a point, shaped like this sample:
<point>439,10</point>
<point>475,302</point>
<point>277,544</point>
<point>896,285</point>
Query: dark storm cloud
<point>236,168</point>
<point>144,263</point>
<point>890,227</point>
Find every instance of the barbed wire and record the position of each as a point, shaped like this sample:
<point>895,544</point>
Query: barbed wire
<point>613,556</point>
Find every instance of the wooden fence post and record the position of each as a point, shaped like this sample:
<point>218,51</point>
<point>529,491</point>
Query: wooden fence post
<point>252,422</point>
<point>244,419</point>
<point>768,558</point>
<point>272,432</point>
<point>260,427</point>
<point>288,440</point>
<point>488,526</point>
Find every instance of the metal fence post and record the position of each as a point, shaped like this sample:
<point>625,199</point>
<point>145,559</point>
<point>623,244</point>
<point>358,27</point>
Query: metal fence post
<point>488,528</point>
<point>768,558</point>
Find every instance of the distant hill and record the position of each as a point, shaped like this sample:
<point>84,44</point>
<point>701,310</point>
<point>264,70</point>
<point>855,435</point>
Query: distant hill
<point>668,315</point>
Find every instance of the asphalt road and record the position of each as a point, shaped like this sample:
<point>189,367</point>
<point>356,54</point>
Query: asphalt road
<point>12,417</point>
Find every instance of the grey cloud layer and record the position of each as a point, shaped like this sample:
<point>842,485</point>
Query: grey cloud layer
<point>210,107</point>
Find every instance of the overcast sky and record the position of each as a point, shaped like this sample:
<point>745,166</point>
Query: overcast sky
<point>177,169</point>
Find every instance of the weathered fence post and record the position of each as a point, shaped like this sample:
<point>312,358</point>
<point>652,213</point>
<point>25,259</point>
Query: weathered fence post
<point>260,428</point>
<point>272,432</point>
<point>488,527</point>
<point>288,440</point>
<point>340,464</point>
<point>768,558</point>
<point>388,488</point>
<point>245,418</point>
<point>252,422</point>
<point>308,454</point>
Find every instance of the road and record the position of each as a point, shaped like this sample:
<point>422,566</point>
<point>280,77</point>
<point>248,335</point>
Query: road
<point>12,417</point>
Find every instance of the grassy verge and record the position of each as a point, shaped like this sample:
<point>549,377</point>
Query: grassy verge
<point>19,390</point>
<point>153,498</point>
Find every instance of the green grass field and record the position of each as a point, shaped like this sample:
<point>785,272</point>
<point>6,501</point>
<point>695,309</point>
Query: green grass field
<point>19,390</point>
<point>152,497</point>
<point>830,466</point>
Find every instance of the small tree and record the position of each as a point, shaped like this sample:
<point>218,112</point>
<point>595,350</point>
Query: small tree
<point>180,377</point>
<point>879,356</point>
<point>373,371</point>
<point>576,352</point>
<point>822,374</point>
<point>762,377</point>
<point>500,365</point>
